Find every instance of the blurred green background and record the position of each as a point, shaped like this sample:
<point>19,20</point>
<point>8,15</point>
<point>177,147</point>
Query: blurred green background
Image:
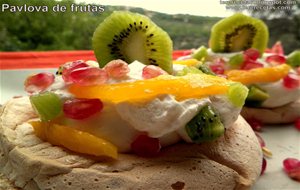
<point>38,31</point>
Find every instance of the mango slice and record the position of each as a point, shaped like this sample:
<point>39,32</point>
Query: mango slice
<point>187,62</point>
<point>259,75</point>
<point>75,140</point>
<point>182,87</point>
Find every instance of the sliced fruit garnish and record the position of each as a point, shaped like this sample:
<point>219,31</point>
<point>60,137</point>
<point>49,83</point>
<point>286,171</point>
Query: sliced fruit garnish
<point>276,49</point>
<point>187,70</point>
<point>187,62</point>
<point>200,53</point>
<point>146,146</point>
<point>47,105</point>
<point>252,54</point>
<point>218,66</point>
<point>251,64</point>
<point>291,81</point>
<point>38,82</point>
<point>256,96</point>
<point>182,87</point>
<point>292,167</point>
<point>152,71</point>
<point>259,75</point>
<point>236,60</point>
<point>276,59</point>
<point>237,94</point>
<point>205,126</point>
<point>81,108</point>
<point>75,140</point>
<point>293,59</point>
<point>117,69</point>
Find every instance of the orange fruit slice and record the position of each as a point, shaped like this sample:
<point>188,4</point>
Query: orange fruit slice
<point>187,62</point>
<point>182,87</point>
<point>75,140</point>
<point>259,75</point>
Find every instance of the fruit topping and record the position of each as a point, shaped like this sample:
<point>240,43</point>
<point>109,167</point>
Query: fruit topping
<point>256,96</point>
<point>146,146</point>
<point>151,71</point>
<point>263,166</point>
<point>251,64</point>
<point>236,60</point>
<point>205,126</point>
<point>291,81</point>
<point>218,66</point>
<point>256,126</point>
<point>238,33</point>
<point>117,69</point>
<point>38,82</point>
<point>297,124</point>
<point>292,167</point>
<point>237,94</point>
<point>187,70</point>
<point>206,69</point>
<point>47,105</point>
<point>73,139</point>
<point>259,75</point>
<point>87,76</point>
<point>182,87</point>
<point>251,54</point>
<point>200,53</point>
<point>276,59</point>
<point>276,49</point>
<point>131,36</point>
<point>81,108</point>
<point>187,62</point>
<point>293,59</point>
<point>69,66</point>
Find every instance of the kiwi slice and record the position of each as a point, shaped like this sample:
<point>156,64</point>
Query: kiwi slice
<point>131,36</point>
<point>238,33</point>
<point>205,126</point>
<point>200,53</point>
<point>293,58</point>
<point>237,94</point>
<point>47,105</point>
<point>256,96</point>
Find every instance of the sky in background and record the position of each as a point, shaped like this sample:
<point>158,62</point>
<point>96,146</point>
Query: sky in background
<point>192,7</point>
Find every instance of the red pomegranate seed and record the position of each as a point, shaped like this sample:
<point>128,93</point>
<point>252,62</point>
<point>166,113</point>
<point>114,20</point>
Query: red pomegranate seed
<point>255,124</point>
<point>38,82</point>
<point>291,81</point>
<point>297,124</point>
<point>81,108</point>
<point>260,140</point>
<point>218,66</point>
<point>250,64</point>
<point>146,146</point>
<point>151,71</point>
<point>88,76</point>
<point>277,48</point>
<point>251,54</point>
<point>117,68</point>
<point>276,59</point>
<point>69,67</point>
<point>264,166</point>
<point>292,167</point>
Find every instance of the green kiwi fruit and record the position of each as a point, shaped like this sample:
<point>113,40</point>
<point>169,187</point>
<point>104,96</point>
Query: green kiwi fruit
<point>132,36</point>
<point>293,58</point>
<point>205,126</point>
<point>256,96</point>
<point>200,53</point>
<point>237,33</point>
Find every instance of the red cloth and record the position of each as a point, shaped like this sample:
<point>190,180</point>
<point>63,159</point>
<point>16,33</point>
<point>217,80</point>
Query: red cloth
<point>51,59</point>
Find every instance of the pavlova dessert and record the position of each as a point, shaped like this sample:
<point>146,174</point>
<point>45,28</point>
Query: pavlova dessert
<point>136,122</point>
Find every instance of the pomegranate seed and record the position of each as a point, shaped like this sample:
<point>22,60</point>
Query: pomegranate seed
<point>292,167</point>
<point>277,48</point>
<point>291,81</point>
<point>255,124</point>
<point>276,59</point>
<point>82,108</point>
<point>260,140</point>
<point>117,69</point>
<point>69,67</point>
<point>297,124</point>
<point>218,66</point>
<point>251,54</point>
<point>298,70</point>
<point>151,71</point>
<point>88,76</point>
<point>146,146</point>
<point>38,82</point>
<point>263,166</point>
<point>250,64</point>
